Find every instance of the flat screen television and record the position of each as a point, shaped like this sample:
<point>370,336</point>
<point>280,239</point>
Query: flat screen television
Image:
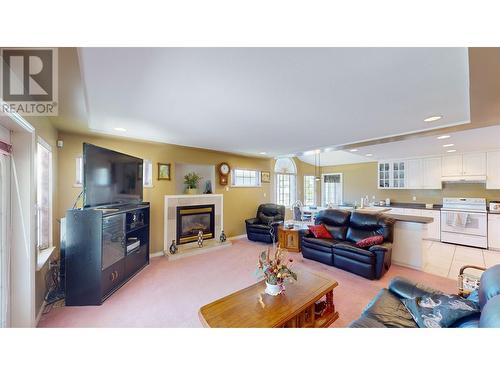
<point>110,177</point>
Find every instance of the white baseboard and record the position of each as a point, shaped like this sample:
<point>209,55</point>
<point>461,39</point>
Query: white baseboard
<point>239,236</point>
<point>39,315</point>
<point>156,254</point>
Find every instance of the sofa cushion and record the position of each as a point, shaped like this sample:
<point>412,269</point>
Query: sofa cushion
<point>436,310</point>
<point>370,241</point>
<point>490,316</point>
<point>363,225</point>
<point>260,227</point>
<point>335,221</point>
<point>489,285</point>
<point>351,252</point>
<point>320,244</point>
<point>319,231</point>
<point>387,309</point>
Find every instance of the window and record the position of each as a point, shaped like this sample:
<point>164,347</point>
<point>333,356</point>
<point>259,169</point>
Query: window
<point>286,183</point>
<point>44,195</point>
<point>245,177</point>
<point>331,186</point>
<point>79,171</point>
<point>309,190</point>
<point>147,173</point>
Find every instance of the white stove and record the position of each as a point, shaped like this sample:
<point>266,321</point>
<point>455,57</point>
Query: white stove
<point>464,221</point>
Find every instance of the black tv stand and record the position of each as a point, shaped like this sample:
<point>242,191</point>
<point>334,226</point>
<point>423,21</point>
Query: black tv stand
<point>105,247</point>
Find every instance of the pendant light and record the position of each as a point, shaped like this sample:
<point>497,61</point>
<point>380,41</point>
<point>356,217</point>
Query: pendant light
<point>317,164</point>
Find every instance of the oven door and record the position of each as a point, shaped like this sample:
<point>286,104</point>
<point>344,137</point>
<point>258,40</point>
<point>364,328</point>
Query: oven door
<point>473,223</point>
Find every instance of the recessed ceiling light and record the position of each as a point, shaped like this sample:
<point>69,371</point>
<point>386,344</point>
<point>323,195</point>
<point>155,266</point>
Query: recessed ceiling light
<point>449,145</point>
<point>433,118</point>
<point>451,151</point>
<point>120,129</point>
<point>263,153</point>
<point>444,136</point>
<point>369,154</point>
<point>354,150</point>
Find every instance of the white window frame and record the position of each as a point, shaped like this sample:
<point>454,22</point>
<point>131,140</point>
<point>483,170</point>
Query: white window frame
<point>313,192</point>
<point>78,172</point>
<point>233,179</point>
<point>323,190</point>
<point>50,246</point>
<point>293,189</point>
<point>145,163</point>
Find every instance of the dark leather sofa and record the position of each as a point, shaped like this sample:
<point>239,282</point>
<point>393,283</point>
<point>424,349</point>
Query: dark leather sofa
<point>268,215</point>
<point>387,311</point>
<point>346,229</point>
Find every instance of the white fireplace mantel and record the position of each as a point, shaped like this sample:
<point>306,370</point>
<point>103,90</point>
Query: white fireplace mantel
<point>170,213</point>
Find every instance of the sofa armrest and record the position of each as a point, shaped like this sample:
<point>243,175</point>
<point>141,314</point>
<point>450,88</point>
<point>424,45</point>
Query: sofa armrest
<point>405,288</point>
<point>386,246</point>
<point>252,221</point>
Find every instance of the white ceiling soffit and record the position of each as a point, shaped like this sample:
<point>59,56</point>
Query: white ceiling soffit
<point>335,158</point>
<point>274,100</point>
<point>482,139</point>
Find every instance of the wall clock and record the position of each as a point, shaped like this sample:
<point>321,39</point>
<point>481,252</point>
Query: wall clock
<point>223,170</point>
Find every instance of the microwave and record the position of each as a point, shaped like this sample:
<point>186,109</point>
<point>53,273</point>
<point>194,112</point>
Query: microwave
<point>494,206</point>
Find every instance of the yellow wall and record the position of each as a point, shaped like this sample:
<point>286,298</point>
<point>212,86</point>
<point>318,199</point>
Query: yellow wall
<point>361,180</point>
<point>239,203</point>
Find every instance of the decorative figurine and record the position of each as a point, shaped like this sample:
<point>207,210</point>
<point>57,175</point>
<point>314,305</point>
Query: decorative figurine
<point>173,247</point>
<point>200,238</point>
<point>208,188</point>
<point>222,237</point>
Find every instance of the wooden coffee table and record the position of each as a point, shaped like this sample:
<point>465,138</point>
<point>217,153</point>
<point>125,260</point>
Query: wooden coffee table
<point>251,307</point>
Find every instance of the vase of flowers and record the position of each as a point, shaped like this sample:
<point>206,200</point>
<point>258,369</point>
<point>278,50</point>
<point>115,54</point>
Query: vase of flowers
<point>191,180</point>
<point>276,270</point>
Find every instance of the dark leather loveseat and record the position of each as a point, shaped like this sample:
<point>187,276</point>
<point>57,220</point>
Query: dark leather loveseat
<point>387,310</point>
<point>346,229</point>
<point>268,215</point>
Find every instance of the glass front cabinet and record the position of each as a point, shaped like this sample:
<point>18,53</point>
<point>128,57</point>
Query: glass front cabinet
<point>392,174</point>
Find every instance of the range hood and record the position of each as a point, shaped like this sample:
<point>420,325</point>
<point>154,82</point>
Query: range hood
<point>481,179</point>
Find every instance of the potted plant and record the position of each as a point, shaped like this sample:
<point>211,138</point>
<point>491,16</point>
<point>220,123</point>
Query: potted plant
<point>191,180</point>
<point>276,270</point>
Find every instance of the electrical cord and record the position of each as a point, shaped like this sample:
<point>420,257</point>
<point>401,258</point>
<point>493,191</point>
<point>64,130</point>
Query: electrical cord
<point>77,198</point>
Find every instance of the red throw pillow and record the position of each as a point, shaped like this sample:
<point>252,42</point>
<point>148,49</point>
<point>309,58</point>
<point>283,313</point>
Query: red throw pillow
<point>320,231</point>
<point>370,241</point>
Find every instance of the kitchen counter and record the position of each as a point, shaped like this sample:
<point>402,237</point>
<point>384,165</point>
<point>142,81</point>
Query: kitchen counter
<point>418,206</point>
<point>411,218</point>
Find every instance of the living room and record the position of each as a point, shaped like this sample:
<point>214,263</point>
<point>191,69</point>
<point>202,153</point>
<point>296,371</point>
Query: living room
<point>198,185</point>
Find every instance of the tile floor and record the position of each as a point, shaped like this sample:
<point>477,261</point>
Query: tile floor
<point>445,259</point>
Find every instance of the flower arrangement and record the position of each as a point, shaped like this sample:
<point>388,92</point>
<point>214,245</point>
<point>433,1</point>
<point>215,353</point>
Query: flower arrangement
<point>191,180</point>
<point>275,268</point>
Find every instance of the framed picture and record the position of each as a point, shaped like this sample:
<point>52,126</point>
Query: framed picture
<point>164,171</point>
<point>265,176</point>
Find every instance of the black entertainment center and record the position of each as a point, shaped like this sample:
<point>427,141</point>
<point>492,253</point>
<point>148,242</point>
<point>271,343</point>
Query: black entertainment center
<point>107,242</point>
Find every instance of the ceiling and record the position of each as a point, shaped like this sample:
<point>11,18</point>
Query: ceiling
<point>482,139</point>
<point>274,100</point>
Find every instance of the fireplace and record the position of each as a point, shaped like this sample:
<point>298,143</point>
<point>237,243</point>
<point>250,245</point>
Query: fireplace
<point>192,219</point>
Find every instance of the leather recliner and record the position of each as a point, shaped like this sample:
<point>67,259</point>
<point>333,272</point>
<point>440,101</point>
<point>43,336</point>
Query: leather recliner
<point>387,311</point>
<point>268,216</point>
<point>346,229</point>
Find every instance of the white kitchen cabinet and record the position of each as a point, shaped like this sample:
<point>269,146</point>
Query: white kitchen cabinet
<point>493,170</point>
<point>451,165</point>
<point>432,230</point>
<point>431,168</point>
<point>474,164</point>
<point>392,174</point>
<point>414,177</point>
<point>494,231</point>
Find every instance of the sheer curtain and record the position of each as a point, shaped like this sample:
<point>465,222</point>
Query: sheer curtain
<point>332,188</point>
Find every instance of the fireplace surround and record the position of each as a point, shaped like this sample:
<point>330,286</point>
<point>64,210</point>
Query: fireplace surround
<point>191,219</point>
